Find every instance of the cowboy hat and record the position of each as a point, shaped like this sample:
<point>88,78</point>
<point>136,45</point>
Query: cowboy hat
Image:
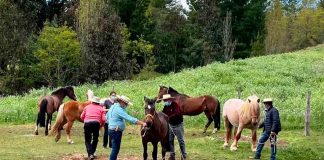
<point>124,99</point>
<point>166,96</point>
<point>95,100</point>
<point>267,100</point>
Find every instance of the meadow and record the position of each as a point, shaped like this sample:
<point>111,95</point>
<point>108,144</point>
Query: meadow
<point>286,78</point>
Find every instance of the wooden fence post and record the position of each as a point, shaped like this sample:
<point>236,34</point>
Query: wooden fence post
<point>308,113</point>
<point>239,90</point>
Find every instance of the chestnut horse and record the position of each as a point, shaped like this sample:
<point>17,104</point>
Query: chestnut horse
<point>67,114</point>
<point>240,114</point>
<point>157,129</point>
<point>195,105</point>
<point>50,104</point>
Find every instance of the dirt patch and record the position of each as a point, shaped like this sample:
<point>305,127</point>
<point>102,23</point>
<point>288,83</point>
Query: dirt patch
<point>280,143</point>
<point>79,156</point>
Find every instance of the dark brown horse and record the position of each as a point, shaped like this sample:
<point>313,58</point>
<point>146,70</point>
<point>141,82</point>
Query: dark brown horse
<point>192,106</point>
<point>157,129</point>
<point>50,104</point>
<point>67,114</point>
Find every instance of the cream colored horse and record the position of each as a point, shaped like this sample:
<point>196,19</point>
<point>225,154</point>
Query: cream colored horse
<point>240,114</point>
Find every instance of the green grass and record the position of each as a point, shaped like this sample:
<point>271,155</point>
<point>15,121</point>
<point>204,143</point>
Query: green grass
<point>18,142</point>
<point>285,77</point>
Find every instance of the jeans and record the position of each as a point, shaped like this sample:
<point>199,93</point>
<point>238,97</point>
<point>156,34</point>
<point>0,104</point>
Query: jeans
<point>91,134</point>
<point>264,137</point>
<point>177,130</point>
<point>106,137</point>
<point>116,137</point>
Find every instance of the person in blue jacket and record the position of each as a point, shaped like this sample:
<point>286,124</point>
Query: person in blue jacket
<point>116,117</point>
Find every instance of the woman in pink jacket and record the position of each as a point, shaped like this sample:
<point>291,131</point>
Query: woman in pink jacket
<point>93,117</point>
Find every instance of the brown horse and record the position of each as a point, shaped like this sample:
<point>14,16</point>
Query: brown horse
<point>157,129</point>
<point>241,115</point>
<point>195,105</point>
<point>67,114</point>
<point>50,104</point>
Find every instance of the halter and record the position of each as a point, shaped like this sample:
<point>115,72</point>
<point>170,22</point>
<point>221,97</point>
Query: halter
<point>146,116</point>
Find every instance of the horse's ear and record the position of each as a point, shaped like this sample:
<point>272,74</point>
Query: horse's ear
<point>249,100</point>
<point>259,100</point>
<point>145,98</point>
<point>155,99</point>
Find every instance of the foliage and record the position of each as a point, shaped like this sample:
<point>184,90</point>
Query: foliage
<point>268,76</point>
<point>58,53</point>
<point>101,42</point>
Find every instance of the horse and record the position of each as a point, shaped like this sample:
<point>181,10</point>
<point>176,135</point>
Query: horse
<point>195,105</point>
<point>157,129</point>
<point>241,115</point>
<point>67,114</point>
<point>50,104</point>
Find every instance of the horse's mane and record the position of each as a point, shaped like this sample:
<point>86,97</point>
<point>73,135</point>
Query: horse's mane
<point>58,91</point>
<point>176,92</point>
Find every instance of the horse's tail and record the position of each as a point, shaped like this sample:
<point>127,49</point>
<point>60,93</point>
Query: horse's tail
<point>59,120</point>
<point>217,116</point>
<point>41,113</point>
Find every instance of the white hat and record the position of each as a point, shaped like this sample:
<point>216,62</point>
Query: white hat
<point>267,100</point>
<point>125,99</point>
<point>95,100</point>
<point>166,96</point>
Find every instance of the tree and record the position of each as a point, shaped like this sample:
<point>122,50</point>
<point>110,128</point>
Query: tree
<point>228,45</point>
<point>101,42</point>
<point>58,53</point>
<point>276,27</point>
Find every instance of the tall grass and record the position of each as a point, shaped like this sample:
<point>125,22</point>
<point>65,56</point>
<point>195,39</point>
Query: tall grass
<point>285,77</point>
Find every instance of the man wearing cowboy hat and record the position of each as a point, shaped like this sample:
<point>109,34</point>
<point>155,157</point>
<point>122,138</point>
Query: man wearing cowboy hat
<point>116,117</point>
<point>172,109</point>
<point>271,127</point>
<point>93,117</point>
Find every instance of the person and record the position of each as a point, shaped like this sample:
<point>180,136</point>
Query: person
<point>93,117</point>
<point>172,109</point>
<point>271,128</point>
<point>107,104</point>
<point>116,117</point>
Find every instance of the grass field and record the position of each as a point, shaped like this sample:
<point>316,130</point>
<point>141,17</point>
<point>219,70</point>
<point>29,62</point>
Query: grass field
<point>285,77</point>
<point>18,142</point>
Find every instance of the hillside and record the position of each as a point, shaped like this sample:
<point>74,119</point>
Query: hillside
<point>285,77</point>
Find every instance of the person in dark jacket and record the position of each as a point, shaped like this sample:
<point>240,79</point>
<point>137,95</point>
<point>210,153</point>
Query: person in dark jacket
<point>107,104</point>
<point>172,109</point>
<point>271,127</point>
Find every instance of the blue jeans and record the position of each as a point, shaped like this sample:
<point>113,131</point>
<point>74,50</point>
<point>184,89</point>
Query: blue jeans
<point>177,130</point>
<point>264,137</point>
<point>116,137</point>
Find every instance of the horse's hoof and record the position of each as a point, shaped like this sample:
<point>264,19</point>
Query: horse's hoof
<point>36,132</point>
<point>215,130</point>
<point>225,145</point>
<point>254,150</point>
<point>70,142</point>
<point>233,148</point>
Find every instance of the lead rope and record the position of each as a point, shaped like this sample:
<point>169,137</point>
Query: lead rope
<point>177,139</point>
<point>273,142</point>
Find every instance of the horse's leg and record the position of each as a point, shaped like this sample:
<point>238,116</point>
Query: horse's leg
<point>163,145</point>
<point>210,120</point>
<point>46,124</point>
<point>50,121</point>
<point>228,126</point>
<point>155,149</point>
<point>237,137</point>
<point>36,128</point>
<point>217,118</point>
<point>68,131</point>
<point>59,128</point>
<point>254,139</point>
<point>145,149</point>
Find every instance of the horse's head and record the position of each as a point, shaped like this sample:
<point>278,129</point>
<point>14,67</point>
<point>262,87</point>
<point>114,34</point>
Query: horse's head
<point>254,108</point>
<point>149,106</point>
<point>163,90</point>
<point>69,91</point>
